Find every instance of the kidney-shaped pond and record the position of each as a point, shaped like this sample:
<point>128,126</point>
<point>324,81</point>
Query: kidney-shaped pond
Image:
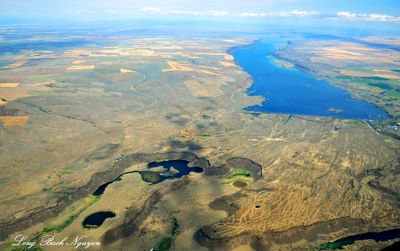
<point>97,219</point>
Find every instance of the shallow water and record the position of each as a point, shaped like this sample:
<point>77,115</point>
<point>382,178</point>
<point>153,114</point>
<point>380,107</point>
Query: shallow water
<point>292,91</point>
<point>173,169</point>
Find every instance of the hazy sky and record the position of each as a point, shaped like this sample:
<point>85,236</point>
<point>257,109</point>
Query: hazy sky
<point>370,10</point>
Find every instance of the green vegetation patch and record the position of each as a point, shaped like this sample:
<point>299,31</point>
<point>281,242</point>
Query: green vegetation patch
<point>344,77</point>
<point>381,86</point>
<point>335,244</point>
<point>376,78</point>
<point>207,134</point>
<point>60,227</point>
<point>106,70</point>
<point>394,94</point>
<point>239,172</point>
<point>362,70</point>
<point>8,246</point>
<point>90,200</point>
<point>395,82</point>
<point>167,242</point>
<point>376,82</point>
<point>5,63</point>
<point>41,77</point>
<point>151,177</point>
<point>13,248</point>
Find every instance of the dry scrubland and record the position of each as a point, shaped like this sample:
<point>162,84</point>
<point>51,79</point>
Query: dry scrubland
<point>77,113</point>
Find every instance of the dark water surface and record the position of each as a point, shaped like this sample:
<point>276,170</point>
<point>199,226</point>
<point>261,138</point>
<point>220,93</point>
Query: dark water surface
<point>376,236</point>
<point>97,219</point>
<point>173,169</point>
<point>291,91</point>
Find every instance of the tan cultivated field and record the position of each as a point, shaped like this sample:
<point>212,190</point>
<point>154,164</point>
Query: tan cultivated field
<point>227,64</point>
<point>177,66</point>
<point>202,89</point>
<point>14,120</point>
<point>80,67</point>
<point>16,64</point>
<point>8,85</point>
<point>78,61</point>
<point>228,57</point>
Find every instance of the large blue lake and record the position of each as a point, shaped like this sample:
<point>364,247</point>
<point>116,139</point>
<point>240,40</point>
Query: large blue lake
<point>292,91</point>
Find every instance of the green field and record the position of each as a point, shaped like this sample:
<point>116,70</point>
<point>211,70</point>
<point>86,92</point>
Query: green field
<point>167,242</point>
<point>376,82</point>
<point>239,172</point>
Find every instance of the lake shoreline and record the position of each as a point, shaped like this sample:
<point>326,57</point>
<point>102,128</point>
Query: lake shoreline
<point>363,113</point>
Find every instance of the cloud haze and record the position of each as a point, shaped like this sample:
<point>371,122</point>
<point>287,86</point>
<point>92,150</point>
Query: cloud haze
<point>294,13</point>
<point>349,10</point>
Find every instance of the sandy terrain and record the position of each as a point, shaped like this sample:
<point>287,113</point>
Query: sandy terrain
<point>345,51</point>
<point>228,57</point>
<point>42,83</point>
<point>322,178</point>
<point>14,120</point>
<point>78,61</point>
<point>16,64</point>
<point>8,85</point>
<point>177,66</point>
<point>10,94</point>
<point>227,64</point>
<point>203,89</point>
<point>80,67</point>
<point>124,71</point>
<point>388,76</point>
<point>355,73</point>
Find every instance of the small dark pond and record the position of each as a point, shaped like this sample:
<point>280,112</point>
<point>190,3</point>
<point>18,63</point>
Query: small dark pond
<point>239,183</point>
<point>97,219</point>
